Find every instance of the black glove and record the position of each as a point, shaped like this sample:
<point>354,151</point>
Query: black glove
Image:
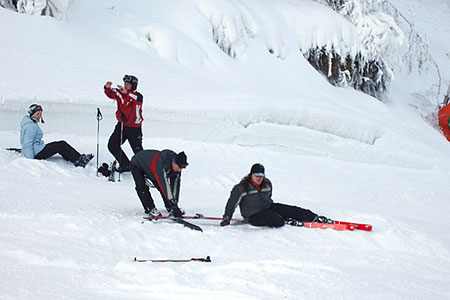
<point>104,169</point>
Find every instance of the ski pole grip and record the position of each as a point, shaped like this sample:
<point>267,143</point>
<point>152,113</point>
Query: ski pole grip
<point>99,114</point>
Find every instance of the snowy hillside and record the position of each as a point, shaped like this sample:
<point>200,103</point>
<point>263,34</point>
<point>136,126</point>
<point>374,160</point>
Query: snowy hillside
<point>226,82</point>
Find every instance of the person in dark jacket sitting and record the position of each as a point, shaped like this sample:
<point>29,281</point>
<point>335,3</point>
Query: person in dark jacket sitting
<point>34,147</point>
<point>254,197</point>
<point>163,169</point>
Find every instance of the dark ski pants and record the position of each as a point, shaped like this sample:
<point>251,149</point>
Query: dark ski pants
<point>60,147</point>
<point>278,213</point>
<point>134,137</point>
<point>142,189</point>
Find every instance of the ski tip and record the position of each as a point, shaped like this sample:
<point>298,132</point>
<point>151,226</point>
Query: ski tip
<point>364,227</point>
<point>368,227</point>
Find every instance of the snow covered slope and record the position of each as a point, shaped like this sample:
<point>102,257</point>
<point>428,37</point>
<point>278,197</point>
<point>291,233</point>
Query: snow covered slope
<point>70,235</point>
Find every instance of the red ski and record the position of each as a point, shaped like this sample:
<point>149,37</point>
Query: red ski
<point>335,226</point>
<point>359,226</point>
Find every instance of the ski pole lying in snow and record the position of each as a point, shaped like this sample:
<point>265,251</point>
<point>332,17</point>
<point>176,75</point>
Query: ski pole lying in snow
<point>207,259</point>
<point>197,216</point>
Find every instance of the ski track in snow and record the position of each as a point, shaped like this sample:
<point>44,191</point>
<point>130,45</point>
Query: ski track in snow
<point>79,233</point>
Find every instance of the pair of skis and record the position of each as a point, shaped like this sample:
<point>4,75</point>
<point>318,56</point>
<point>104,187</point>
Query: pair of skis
<point>337,225</point>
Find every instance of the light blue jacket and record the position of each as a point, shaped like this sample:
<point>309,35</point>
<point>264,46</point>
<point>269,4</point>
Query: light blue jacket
<point>31,137</point>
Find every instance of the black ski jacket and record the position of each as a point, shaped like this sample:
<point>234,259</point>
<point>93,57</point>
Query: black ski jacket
<point>157,166</point>
<point>250,202</point>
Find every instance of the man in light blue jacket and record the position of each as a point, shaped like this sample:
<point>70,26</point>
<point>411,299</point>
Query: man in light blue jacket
<point>34,147</point>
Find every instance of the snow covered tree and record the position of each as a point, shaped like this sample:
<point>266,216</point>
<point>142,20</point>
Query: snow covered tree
<point>418,55</point>
<point>11,4</point>
<point>372,68</point>
<point>53,8</point>
<point>232,25</point>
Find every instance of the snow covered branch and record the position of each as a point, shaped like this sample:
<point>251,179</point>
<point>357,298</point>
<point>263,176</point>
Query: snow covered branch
<point>418,56</point>
<point>380,38</point>
<point>53,8</point>
<point>232,26</point>
<point>383,31</point>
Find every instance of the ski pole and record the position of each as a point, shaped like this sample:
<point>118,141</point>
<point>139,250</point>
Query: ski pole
<point>195,217</point>
<point>99,118</point>
<point>121,141</point>
<point>447,96</point>
<point>207,259</point>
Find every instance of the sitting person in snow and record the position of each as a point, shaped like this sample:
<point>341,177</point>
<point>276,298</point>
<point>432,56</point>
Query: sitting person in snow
<point>129,120</point>
<point>163,169</point>
<point>254,197</point>
<point>34,147</point>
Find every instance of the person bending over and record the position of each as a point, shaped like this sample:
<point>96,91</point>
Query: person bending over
<point>163,169</point>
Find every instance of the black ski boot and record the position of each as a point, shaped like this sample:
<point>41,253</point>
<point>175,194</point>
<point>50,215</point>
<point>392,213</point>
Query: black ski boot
<point>83,160</point>
<point>293,222</point>
<point>323,219</point>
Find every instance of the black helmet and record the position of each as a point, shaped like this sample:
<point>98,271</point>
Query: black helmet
<point>131,79</point>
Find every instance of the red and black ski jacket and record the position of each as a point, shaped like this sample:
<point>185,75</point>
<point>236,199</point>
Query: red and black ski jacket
<point>129,106</point>
<point>157,166</point>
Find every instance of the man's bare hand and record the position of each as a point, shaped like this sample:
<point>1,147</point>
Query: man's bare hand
<point>108,84</point>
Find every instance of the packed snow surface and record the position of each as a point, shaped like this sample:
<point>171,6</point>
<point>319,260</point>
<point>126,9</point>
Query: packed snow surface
<point>226,82</point>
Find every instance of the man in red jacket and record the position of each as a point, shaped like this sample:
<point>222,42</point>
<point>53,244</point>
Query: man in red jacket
<point>129,116</point>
